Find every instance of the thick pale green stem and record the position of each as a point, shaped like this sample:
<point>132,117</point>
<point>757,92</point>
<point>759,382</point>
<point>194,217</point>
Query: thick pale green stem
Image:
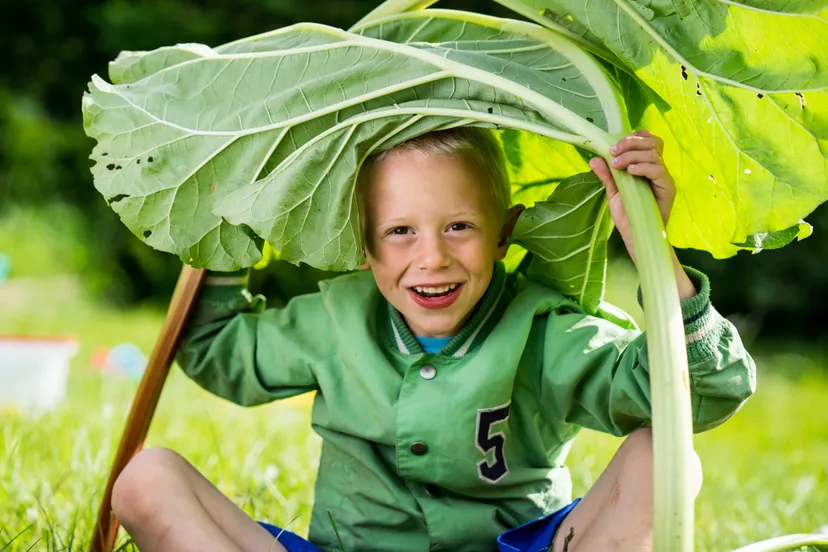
<point>670,394</point>
<point>532,14</point>
<point>788,542</point>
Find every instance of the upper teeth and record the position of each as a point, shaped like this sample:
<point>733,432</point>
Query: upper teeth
<point>432,290</point>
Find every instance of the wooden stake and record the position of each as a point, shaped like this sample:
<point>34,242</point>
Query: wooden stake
<point>146,398</point>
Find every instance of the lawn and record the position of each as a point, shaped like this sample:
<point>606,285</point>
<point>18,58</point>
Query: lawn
<point>766,470</point>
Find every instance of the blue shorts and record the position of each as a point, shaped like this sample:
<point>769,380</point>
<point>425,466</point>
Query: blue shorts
<point>535,536</point>
<point>291,541</point>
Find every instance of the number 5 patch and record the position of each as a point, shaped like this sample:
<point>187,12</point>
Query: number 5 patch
<point>486,441</point>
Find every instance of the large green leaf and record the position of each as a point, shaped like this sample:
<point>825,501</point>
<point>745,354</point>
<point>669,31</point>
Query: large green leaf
<point>129,67</point>
<point>205,153</point>
<point>567,224</point>
<point>568,235</point>
<point>536,165</point>
<point>738,91</point>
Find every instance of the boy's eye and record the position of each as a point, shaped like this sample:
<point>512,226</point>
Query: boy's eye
<point>458,226</point>
<point>400,230</point>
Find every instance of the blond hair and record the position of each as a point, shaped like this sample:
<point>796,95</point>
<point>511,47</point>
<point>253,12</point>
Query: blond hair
<point>476,145</point>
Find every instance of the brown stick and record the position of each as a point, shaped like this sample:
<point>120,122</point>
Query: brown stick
<point>146,399</point>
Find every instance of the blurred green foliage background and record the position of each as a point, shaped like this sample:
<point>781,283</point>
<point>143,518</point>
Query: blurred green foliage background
<point>52,47</point>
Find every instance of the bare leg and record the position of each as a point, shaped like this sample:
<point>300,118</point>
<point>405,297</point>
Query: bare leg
<point>617,512</point>
<point>167,505</point>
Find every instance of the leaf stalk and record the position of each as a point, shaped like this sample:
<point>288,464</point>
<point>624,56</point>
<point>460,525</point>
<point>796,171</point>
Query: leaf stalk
<point>669,380</point>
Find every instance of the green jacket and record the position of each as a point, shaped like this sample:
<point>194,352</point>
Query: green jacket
<point>445,452</point>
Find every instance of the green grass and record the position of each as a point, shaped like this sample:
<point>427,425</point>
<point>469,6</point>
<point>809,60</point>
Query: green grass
<point>766,470</point>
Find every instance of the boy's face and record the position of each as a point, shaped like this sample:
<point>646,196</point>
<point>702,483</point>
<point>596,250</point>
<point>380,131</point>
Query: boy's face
<point>432,233</point>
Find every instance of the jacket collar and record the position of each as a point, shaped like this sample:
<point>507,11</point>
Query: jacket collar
<point>406,343</point>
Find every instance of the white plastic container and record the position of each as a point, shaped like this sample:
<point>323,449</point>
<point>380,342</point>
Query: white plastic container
<point>34,372</point>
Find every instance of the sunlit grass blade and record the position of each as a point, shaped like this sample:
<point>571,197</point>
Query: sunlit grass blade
<point>14,538</point>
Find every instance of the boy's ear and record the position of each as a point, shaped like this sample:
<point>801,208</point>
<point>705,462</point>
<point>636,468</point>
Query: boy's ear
<point>508,228</point>
<point>367,264</point>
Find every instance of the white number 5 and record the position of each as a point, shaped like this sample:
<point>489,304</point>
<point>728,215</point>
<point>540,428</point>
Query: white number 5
<point>486,418</point>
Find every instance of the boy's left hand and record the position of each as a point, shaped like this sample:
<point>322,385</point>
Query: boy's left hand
<point>640,154</point>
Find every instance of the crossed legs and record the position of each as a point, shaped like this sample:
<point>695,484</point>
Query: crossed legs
<point>160,491</point>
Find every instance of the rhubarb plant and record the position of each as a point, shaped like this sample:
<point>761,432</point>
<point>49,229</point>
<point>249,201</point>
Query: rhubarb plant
<point>208,153</point>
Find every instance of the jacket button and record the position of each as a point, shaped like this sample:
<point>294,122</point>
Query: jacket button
<point>433,491</point>
<point>428,372</point>
<point>419,448</point>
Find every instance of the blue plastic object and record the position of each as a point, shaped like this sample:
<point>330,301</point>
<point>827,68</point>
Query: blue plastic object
<point>5,267</point>
<point>128,359</point>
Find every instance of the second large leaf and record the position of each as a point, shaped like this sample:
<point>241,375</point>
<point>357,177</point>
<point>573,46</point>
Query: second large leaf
<point>206,152</point>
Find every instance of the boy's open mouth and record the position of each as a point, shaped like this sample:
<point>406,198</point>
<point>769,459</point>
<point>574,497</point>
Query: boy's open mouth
<point>436,296</point>
<point>440,291</point>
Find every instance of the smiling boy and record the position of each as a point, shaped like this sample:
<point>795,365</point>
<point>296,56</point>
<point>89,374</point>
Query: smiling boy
<point>448,391</point>
<point>433,233</point>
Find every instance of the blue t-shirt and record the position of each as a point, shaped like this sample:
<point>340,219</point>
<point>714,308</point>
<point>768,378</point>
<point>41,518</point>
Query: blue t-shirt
<point>433,344</point>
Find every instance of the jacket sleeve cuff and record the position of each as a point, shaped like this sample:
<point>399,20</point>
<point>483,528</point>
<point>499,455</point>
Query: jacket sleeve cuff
<point>226,293</point>
<point>221,286</point>
<point>703,325</point>
<point>239,277</point>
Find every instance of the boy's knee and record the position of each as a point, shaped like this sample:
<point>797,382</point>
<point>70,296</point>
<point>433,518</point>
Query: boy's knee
<point>638,457</point>
<point>638,450</point>
<point>137,489</point>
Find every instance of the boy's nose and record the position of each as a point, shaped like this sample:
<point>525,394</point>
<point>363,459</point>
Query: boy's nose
<point>432,253</point>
